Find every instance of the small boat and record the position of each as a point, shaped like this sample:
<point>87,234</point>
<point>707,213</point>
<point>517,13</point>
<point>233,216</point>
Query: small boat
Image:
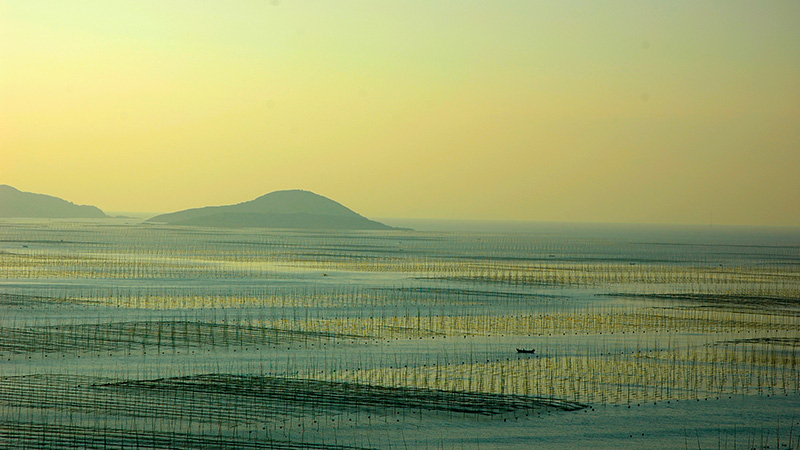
<point>523,350</point>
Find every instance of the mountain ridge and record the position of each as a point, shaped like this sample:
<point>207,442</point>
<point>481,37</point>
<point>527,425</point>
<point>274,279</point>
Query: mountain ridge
<point>295,208</point>
<point>19,204</point>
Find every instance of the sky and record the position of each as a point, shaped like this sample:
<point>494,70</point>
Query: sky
<point>679,112</point>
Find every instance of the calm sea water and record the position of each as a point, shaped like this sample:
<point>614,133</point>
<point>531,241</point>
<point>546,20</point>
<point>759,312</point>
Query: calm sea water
<point>446,294</point>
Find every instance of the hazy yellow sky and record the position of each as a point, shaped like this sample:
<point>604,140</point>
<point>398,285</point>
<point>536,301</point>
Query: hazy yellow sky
<point>640,111</point>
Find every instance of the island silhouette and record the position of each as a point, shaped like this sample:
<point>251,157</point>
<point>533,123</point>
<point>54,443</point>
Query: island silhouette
<point>15,203</point>
<point>297,209</point>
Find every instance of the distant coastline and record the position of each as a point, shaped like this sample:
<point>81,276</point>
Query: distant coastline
<point>759,235</point>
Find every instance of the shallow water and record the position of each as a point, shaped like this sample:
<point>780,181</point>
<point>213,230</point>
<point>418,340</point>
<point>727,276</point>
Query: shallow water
<point>669,337</point>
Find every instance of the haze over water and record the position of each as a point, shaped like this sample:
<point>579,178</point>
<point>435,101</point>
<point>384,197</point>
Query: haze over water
<point>643,112</point>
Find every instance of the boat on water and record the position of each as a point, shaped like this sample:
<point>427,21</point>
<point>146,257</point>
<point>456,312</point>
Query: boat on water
<point>524,350</point>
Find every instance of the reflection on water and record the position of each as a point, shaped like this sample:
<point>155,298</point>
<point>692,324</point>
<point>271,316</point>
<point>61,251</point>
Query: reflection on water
<point>620,317</point>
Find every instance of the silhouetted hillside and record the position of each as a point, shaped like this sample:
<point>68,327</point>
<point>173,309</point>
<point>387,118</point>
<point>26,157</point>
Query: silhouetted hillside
<point>15,203</point>
<point>280,209</point>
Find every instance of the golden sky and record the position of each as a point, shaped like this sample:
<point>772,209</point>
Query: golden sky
<point>638,111</point>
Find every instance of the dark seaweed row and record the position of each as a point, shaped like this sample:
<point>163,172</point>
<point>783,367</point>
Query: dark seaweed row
<point>349,396</point>
<point>87,394</point>
<point>232,399</point>
<point>39,436</point>
<point>139,335</point>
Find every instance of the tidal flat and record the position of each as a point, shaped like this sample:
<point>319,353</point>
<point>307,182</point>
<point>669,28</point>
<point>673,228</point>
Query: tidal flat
<point>121,334</point>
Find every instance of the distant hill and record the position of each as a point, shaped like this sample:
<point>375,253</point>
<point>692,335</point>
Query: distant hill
<point>15,203</point>
<point>280,209</point>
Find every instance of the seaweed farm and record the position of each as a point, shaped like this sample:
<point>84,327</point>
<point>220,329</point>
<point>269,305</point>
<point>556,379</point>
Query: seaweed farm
<point>120,334</point>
